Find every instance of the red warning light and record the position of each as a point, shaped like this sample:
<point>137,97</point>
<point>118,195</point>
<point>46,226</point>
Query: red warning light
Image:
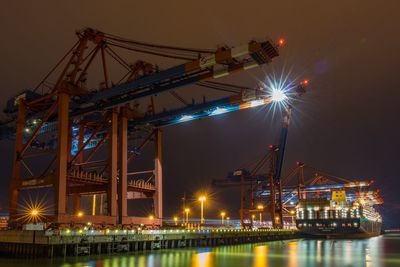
<point>305,82</point>
<point>281,42</point>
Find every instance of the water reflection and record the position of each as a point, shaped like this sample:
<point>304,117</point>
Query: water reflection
<point>376,252</point>
<point>292,255</point>
<point>260,256</point>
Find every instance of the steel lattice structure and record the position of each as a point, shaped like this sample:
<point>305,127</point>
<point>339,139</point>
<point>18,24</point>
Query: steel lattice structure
<point>68,121</point>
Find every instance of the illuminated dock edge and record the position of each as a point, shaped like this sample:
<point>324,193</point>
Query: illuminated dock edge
<point>44,244</point>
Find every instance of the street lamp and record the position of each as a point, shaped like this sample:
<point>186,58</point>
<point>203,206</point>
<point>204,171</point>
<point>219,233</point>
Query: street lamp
<point>34,215</point>
<point>202,199</point>
<point>227,220</point>
<point>187,210</point>
<point>222,217</point>
<point>260,208</point>
<point>176,220</point>
<point>79,214</point>
<point>277,219</point>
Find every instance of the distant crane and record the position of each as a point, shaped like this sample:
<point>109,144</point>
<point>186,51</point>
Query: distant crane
<point>258,183</point>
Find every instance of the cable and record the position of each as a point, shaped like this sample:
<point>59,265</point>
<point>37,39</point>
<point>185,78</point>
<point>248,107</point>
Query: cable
<point>149,52</point>
<point>121,39</point>
<point>117,58</point>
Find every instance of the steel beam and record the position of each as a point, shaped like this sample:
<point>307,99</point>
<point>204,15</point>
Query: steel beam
<point>60,182</point>
<point>158,175</point>
<point>113,166</point>
<point>123,167</point>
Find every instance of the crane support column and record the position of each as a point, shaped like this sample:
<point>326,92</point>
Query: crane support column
<point>62,156</point>
<point>158,175</point>
<point>123,168</point>
<point>14,191</point>
<point>113,171</point>
<point>77,197</point>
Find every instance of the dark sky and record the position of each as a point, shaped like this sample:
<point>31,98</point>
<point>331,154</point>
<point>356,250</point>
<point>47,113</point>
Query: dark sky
<point>347,125</point>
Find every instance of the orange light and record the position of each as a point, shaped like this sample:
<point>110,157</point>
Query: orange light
<point>281,42</point>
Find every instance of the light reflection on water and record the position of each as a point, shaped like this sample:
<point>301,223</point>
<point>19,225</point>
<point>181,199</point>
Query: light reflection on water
<point>375,252</point>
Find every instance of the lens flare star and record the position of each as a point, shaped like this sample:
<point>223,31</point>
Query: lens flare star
<point>33,211</point>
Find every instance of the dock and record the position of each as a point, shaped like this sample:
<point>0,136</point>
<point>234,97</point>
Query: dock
<point>32,244</point>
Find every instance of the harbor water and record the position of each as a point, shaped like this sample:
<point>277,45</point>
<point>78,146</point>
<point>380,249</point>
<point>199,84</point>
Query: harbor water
<point>377,251</point>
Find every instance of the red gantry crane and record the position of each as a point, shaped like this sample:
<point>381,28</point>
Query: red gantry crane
<point>82,125</point>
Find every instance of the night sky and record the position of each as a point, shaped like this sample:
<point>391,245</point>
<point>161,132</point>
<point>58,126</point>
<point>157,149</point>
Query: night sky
<point>347,124</point>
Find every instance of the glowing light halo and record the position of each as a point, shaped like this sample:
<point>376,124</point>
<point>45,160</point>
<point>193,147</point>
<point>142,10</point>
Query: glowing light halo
<point>278,95</point>
<point>280,89</point>
<point>33,211</point>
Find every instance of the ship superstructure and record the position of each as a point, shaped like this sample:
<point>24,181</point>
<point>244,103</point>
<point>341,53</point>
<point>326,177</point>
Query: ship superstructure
<point>346,210</point>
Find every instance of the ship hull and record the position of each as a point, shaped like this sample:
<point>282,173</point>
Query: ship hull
<point>339,229</point>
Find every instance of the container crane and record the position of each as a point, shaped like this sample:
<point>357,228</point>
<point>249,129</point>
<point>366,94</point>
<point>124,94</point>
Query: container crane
<point>62,119</point>
<point>259,182</point>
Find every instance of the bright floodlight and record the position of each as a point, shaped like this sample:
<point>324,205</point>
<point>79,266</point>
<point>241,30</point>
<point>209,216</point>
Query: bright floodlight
<point>186,118</point>
<point>219,111</point>
<point>202,198</point>
<point>278,95</point>
<point>35,212</point>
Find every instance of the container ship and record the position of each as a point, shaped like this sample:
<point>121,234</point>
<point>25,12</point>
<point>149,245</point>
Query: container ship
<point>339,211</point>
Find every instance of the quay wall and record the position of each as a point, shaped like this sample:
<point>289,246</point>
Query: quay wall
<point>31,244</point>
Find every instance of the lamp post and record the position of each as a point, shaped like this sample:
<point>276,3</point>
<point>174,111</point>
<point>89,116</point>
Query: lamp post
<point>187,210</point>
<point>151,217</point>
<point>277,220</point>
<point>260,208</point>
<point>228,220</point>
<point>222,217</point>
<point>176,220</point>
<point>202,199</point>
<point>292,213</point>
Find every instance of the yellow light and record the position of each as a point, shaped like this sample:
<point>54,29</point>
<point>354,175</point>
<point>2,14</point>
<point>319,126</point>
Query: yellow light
<point>253,216</point>
<point>175,219</point>
<point>223,214</point>
<point>151,217</point>
<point>260,207</point>
<point>34,212</point>
<point>292,212</point>
<point>187,210</point>
<point>79,214</point>
<point>202,198</point>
